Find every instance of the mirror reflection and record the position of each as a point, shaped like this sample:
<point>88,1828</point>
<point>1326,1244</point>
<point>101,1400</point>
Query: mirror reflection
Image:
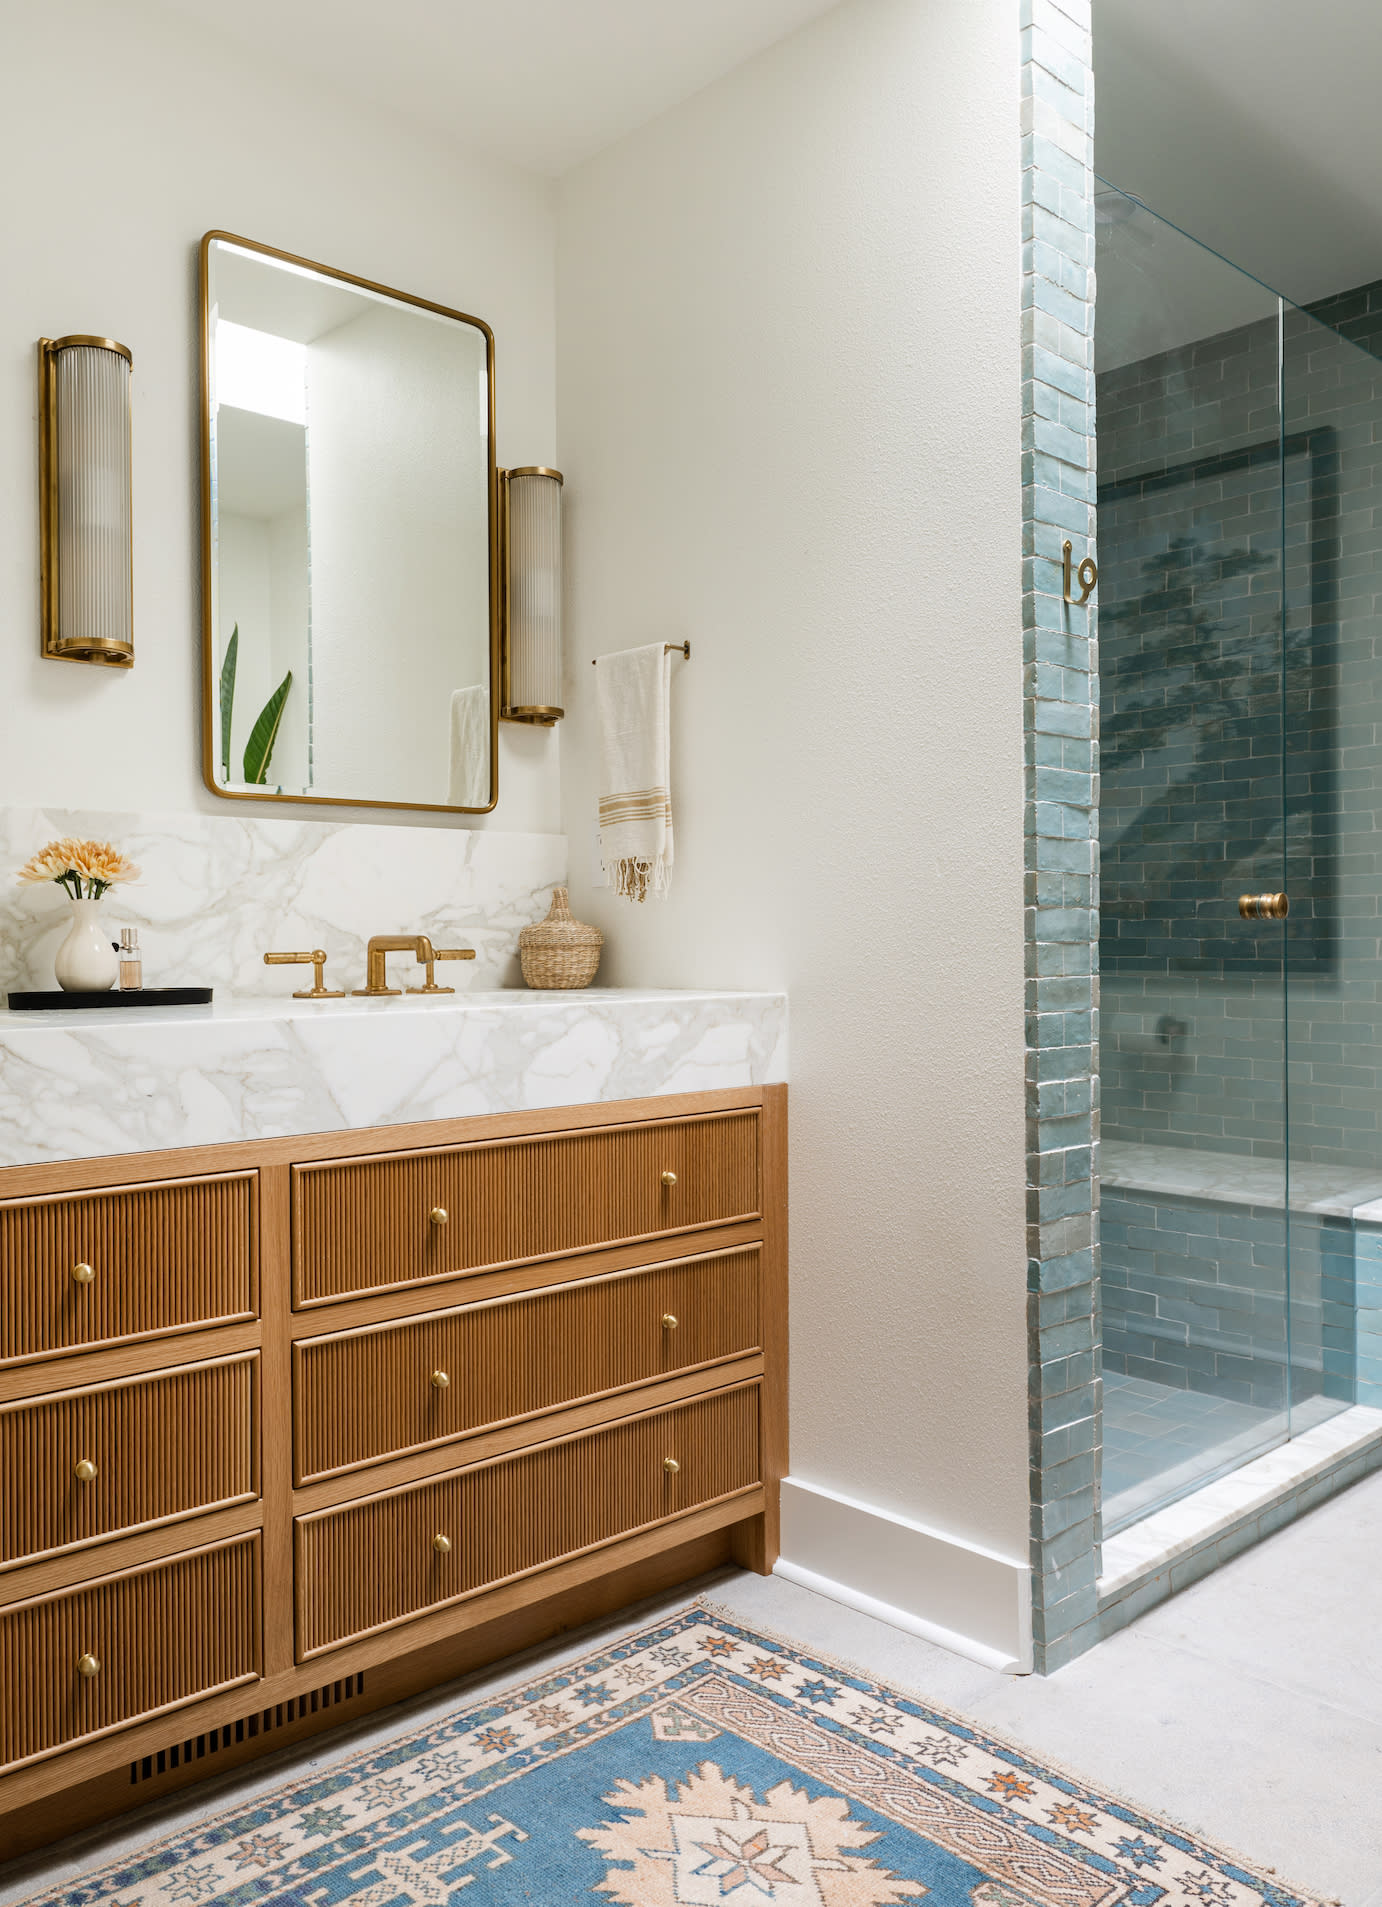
<point>350,491</point>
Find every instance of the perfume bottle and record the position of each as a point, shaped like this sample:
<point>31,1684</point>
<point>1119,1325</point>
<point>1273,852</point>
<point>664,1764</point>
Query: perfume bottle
<point>131,961</point>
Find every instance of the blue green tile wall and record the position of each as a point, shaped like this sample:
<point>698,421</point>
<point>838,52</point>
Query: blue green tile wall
<point>1061,825</point>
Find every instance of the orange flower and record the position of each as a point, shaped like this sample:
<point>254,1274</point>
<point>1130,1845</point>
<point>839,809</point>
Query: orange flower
<point>97,864</point>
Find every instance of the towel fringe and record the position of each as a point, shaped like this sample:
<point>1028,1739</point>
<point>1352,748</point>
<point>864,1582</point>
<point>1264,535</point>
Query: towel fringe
<point>634,879</point>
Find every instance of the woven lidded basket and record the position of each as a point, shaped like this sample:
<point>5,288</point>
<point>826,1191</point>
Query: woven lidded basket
<point>559,951</point>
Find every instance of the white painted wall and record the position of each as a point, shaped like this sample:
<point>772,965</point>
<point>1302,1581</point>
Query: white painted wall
<point>789,364</point>
<point>125,134</point>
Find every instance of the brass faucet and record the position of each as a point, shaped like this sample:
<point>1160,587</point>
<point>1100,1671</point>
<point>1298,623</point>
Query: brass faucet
<point>376,985</point>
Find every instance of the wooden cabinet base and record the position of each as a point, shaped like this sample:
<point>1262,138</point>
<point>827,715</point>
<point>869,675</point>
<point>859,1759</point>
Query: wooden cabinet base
<point>292,1709</point>
<point>437,1392</point>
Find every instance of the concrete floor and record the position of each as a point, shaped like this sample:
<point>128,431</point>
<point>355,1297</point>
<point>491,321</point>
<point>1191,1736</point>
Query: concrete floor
<point>1249,1708</point>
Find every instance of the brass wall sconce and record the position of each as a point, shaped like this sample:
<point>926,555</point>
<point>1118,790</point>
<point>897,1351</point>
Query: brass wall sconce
<point>530,578</point>
<point>85,508</point>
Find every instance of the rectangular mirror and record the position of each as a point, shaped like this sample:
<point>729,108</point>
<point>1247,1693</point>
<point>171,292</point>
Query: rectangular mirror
<point>350,613</point>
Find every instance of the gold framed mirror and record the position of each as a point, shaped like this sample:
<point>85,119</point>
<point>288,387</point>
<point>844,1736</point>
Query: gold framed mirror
<point>350,539</point>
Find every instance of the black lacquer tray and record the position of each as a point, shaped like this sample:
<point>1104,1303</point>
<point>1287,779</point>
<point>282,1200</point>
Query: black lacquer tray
<point>83,1002</point>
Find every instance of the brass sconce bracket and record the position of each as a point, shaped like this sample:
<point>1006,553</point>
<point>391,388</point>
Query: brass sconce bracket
<point>1087,576</point>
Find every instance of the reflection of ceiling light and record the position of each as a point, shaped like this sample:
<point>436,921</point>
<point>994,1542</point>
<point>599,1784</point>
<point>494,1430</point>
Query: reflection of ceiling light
<point>255,371</point>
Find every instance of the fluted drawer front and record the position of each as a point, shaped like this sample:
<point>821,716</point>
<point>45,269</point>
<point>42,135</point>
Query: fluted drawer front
<point>91,1463</point>
<point>363,1395</point>
<point>151,1638</point>
<point>369,1223</point>
<point>97,1267</point>
<point>368,1565</point>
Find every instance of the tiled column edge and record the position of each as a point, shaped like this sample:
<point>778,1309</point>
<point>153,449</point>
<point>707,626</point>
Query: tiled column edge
<point>1061,825</point>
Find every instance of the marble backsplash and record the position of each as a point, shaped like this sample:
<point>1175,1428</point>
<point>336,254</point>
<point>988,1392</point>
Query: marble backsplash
<point>216,892</point>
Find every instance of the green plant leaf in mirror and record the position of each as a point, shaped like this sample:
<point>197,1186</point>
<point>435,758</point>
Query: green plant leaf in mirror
<point>264,734</point>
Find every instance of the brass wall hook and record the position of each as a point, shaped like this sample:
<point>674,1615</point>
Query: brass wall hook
<point>1087,576</point>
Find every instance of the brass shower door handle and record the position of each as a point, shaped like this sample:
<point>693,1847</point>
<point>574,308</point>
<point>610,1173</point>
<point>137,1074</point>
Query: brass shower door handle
<point>1264,906</point>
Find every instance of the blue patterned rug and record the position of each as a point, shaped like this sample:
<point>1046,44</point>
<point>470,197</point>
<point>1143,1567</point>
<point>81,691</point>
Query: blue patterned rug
<point>693,1762</point>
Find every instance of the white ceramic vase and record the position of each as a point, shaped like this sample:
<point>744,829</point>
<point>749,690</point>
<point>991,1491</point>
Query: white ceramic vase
<point>86,962</point>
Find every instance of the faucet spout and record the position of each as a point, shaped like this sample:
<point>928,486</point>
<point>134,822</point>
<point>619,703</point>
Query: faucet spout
<point>377,986</point>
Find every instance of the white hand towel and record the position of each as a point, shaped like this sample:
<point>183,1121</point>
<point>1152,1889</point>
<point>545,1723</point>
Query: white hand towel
<point>633,700</point>
<point>470,739</point>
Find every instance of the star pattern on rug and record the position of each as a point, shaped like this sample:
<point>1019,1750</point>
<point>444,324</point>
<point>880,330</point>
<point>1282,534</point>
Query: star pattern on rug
<point>877,1721</point>
<point>734,1863</point>
<point>1010,1785</point>
<point>324,1821</point>
<point>1211,1889</point>
<point>259,1850</point>
<point>1141,1853</point>
<point>942,1751</point>
<point>548,1715</point>
<point>712,1837</point>
<point>1074,1820</point>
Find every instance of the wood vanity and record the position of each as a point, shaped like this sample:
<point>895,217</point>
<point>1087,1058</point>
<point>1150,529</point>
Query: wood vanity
<point>292,1428</point>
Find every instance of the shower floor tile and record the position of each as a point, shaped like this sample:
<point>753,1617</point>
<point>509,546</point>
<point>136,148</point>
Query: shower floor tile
<point>1160,1442</point>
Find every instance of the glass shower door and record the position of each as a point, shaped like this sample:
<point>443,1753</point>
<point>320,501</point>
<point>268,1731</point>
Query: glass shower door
<point>1331,393</point>
<point>1199,807</point>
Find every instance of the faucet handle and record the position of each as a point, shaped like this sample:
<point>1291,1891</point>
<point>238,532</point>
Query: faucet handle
<point>317,958</point>
<point>431,956</point>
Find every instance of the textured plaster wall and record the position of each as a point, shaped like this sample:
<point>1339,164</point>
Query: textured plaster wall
<point>123,138</point>
<point>789,375</point>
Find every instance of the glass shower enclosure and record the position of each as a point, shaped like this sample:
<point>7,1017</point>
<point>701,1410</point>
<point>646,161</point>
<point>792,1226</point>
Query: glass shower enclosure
<point>1240,583</point>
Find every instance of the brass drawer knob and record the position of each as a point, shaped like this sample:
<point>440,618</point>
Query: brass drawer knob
<point>88,1665</point>
<point>669,1323</point>
<point>438,1215</point>
<point>82,1274</point>
<point>85,1471</point>
<point>441,1544</point>
<point>440,1381</point>
<point>1264,906</point>
<point>671,1465</point>
<point>669,1178</point>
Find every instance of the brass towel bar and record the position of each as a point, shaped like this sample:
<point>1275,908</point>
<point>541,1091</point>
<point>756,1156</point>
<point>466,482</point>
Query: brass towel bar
<point>669,648</point>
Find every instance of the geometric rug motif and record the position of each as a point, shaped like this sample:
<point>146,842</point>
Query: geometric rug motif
<point>693,1764</point>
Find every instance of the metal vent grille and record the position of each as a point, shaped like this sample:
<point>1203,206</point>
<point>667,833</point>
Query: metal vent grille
<point>248,1728</point>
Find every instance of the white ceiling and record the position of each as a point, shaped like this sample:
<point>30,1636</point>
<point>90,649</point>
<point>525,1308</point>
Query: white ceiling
<point>541,83</point>
<point>1255,125</point>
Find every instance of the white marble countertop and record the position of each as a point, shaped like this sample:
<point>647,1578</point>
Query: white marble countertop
<point>135,1079</point>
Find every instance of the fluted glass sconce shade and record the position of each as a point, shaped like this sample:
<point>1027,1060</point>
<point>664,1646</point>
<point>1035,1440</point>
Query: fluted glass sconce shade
<point>532,596</point>
<point>85,508</point>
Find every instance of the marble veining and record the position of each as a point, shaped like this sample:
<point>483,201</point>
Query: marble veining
<point>151,1077</point>
<point>1231,1179</point>
<point>217,891</point>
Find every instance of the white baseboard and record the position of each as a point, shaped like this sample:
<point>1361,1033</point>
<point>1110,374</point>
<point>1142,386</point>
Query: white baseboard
<point>963,1598</point>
